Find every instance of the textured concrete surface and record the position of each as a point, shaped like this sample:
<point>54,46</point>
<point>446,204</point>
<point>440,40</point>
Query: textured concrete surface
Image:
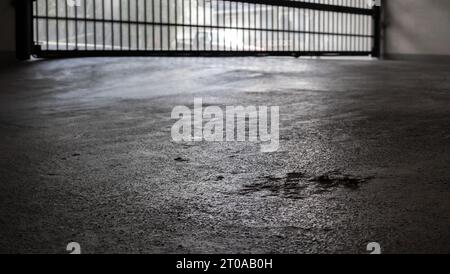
<point>86,156</point>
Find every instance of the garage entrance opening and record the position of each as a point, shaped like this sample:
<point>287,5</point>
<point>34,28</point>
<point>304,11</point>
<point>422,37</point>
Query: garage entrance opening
<point>67,28</point>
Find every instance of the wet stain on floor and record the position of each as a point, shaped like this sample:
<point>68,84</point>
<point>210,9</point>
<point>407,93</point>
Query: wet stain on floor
<point>300,185</point>
<point>180,159</point>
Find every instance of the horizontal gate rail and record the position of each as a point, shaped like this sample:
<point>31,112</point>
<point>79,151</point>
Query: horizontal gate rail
<point>204,28</point>
<point>200,26</point>
<point>310,6</point>
<point>181,53</point>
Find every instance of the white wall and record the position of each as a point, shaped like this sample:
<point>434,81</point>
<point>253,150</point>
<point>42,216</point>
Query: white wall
<point>7,26</point>
<point>417,27</point>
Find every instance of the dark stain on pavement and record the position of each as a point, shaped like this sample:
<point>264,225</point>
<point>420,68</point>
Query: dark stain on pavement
<point>180,159</point>
<point>300,185</point>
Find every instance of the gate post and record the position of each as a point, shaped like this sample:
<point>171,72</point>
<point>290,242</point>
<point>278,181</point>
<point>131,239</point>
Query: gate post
<point>24,28</point>
<point>376,15</point>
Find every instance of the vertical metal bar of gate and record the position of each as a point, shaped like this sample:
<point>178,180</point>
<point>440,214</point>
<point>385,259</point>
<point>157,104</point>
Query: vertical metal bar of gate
<point>203,27</point>
<point>376,50</point>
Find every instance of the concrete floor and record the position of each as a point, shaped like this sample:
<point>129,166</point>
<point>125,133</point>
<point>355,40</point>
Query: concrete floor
<point>86,156</point>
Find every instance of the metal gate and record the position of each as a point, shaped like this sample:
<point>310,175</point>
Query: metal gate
<point>65,28</point>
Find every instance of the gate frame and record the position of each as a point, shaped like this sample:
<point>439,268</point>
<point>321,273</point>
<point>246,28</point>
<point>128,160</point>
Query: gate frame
<point>25,47</point>
<point>24,29</point>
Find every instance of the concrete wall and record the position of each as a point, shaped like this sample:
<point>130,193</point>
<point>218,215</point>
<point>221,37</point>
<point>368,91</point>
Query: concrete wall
<point>417,28</point>
<point>7,26</point>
